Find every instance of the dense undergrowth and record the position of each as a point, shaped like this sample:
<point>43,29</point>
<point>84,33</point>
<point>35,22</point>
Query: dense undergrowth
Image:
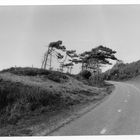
<point>122,71</point>
<point>87,78</point>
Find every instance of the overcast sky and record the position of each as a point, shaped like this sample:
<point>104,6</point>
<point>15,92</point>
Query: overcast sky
<point>26,30</point>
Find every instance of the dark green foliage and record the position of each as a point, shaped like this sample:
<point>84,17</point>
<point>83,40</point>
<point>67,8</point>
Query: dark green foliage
<point>94,59</point>
<point>57,45</point>
<point>71,53</point>
<point>100,54</point>
<point>85,74</point>
<point>122,71</point>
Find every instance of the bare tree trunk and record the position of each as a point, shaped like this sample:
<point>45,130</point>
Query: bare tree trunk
<point>61,67</point>
<point>97,73</point>
<point>50,58</point>
<point>42,64</point>
<point>70,69</point>
<point>82,66</point>
<point>45,58</point>
<point>67,69</point>
<point>62,63</point>
<point>43,61</point>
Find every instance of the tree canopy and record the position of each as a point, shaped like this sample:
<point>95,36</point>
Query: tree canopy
<point>91,60</point>
<point>96,57</point>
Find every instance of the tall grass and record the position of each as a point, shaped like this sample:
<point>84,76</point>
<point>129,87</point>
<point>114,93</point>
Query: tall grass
<point>17,100</point>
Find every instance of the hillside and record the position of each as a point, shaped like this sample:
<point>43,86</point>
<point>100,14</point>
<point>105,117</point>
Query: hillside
<point>123,71</point>
<point>32,100</point>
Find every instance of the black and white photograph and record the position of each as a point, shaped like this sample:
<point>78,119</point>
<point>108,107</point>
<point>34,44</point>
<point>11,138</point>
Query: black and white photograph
<point>69,70</point>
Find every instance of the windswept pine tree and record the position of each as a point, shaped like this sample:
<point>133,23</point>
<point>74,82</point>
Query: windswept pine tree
<point>53,47</point>
<point>94,59</point>
<point>91,60</point>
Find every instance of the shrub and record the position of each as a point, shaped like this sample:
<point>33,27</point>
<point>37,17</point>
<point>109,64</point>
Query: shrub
<point>57,77</point>
<point>85,74</point>
<point>96,80</point>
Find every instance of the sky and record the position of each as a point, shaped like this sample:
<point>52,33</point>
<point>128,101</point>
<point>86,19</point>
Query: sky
<point>25,31</point>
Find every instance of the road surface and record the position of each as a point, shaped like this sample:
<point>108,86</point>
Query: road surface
<point>118,115</point>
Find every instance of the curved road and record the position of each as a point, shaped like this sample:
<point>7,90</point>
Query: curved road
<point>118,115</point>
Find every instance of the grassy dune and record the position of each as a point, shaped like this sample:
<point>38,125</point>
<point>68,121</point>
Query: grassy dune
<point>29,96</point>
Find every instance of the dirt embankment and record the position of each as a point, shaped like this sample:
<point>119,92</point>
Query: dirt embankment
<point>36,102</point>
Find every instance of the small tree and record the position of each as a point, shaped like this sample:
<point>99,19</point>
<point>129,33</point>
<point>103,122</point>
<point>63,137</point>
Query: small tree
<point>52,51</point>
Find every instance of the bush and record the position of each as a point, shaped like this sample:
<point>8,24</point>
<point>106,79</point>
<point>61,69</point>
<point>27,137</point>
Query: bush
<point>85,74</point>
<point>57,77</point>
<point>96,80</point>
